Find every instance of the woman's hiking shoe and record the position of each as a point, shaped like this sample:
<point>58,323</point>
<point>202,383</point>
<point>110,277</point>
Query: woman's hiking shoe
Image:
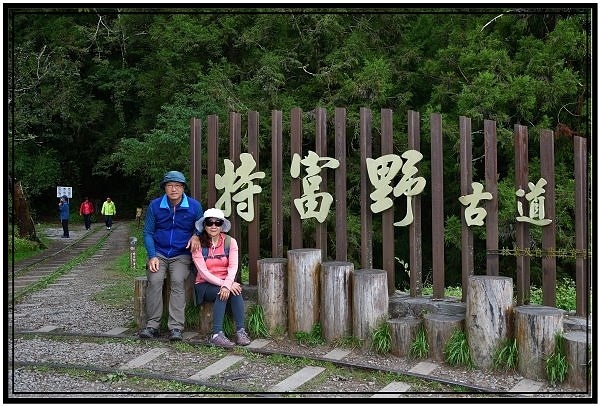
<point>176,335</point>
<point>241,337</point>
<point>220,340</point>
<point>149,332</point>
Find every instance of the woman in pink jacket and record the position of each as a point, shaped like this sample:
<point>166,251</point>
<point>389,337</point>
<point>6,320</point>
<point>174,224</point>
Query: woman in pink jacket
<point>217,264</point>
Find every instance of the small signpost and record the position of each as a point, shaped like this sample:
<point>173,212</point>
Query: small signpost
<point>64,191</point>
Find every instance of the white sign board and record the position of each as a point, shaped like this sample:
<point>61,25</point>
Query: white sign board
<point>64,190</point>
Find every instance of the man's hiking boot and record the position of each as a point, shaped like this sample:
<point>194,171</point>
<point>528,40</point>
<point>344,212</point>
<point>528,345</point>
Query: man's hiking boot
<point>220,340</point>
<point>241,337</point>
<point>175,335</point>
<point>149,332</point>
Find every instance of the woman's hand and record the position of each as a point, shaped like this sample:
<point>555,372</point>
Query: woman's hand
<point>236,288</point>
<point>224,293</point>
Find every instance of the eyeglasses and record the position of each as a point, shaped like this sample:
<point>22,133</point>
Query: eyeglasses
<point>216,222</point>
<point>174,185</point>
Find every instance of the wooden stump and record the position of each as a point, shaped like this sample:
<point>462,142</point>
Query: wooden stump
<point>336,304</point>
<point>403,332</point>
<point>272,292</point>
<point>369,301</point>
<point>439,329</point>
<point>304,267</point>
<point>205,318</point>
<point>577,351</point>
<point>535,328</point>
<point>139,297</point>
<point>488,316</point>
<point>139,301</point>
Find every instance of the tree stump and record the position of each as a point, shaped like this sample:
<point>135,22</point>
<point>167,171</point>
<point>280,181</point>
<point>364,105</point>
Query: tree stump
<point>205,318</point>
<point>139,297</point>
<point>304,267</point>
<point>403,332</point>
<point>369,301</point>
<point>577,351</point>
<point>272,292</point>
<point>535,328</point>
<point>139,301</point>
<point>336,310</point>
<point>439,329</point>
<point>488,316</point>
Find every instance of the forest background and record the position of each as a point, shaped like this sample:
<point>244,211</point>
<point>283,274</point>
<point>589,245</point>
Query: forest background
<point>101,99</point>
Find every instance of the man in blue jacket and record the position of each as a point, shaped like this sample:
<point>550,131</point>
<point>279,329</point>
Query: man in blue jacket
<point>169,237</point>
<point>63,210</point>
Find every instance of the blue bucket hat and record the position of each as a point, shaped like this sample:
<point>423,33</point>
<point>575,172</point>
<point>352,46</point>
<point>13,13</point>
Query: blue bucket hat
<point>172,176</point>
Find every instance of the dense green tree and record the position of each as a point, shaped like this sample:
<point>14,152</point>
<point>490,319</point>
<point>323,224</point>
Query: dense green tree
<point>100,95</point>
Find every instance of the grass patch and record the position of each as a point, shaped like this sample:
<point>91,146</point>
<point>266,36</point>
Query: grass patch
<point>419,348</point>
<point>382,338</point>
<point>457,351</point>
<point>506,356</point>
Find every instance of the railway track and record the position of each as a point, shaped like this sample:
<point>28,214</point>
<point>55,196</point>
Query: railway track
<point>61,347</point>
<point>42,269</point>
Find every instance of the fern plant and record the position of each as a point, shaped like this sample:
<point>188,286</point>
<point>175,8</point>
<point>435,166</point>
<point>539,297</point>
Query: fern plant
<point>506,355</point>
<point>419,348</point>
<point>312,338</point>
<point>456,350</point>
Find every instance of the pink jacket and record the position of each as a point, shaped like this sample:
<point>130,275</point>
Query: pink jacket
<point>217,269</point>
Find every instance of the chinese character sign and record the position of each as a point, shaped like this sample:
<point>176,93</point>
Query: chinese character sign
<point>381,173</point>
<point>239,186</point>
<point>308,204</point>
<point>536,204</point>
<point>474,215</point>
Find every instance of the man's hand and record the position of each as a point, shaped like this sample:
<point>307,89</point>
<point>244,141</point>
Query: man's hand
<point>153,264</point>
<point>194,243</point>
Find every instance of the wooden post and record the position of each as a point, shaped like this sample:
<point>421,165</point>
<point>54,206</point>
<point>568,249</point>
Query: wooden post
<point>369,301</point>
<point>577,351</point>
<point>535,328</point>
<point>304,267</point>
<point>139,301</point>
<point>439,329</point>
<point>272,292</point>
<point>336,310</point>
<point>403,332</point>
<point>488,316</point>
<point>205,319</point>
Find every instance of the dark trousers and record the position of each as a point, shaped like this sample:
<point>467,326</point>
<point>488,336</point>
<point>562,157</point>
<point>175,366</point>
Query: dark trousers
<point>207,292</point>
<point>65,226</point>
<point>87,219</point>
<point>108,221</point>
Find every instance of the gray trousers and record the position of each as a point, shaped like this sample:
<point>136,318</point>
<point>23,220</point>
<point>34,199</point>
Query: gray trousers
<point>179,269</point>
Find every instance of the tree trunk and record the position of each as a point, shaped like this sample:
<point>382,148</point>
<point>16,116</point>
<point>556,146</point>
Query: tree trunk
<point>439,329</point>
<point>535,328</point>
<point>336,310</point>
<point>22,218</point>
<point>304,266</point>
<point>369,302</point>
<point>403,331</point>
<point>272,292</point>
<point>577,351</point>
<point>488,316</point>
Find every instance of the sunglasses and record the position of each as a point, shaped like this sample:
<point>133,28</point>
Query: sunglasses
<point>217,223</point>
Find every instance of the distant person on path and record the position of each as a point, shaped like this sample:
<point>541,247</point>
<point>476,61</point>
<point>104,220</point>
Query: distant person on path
<point>108,211</point>
<point>169,237</point>
<point>63,211</point>
<point>217,265</point>
<point>86,210</point>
